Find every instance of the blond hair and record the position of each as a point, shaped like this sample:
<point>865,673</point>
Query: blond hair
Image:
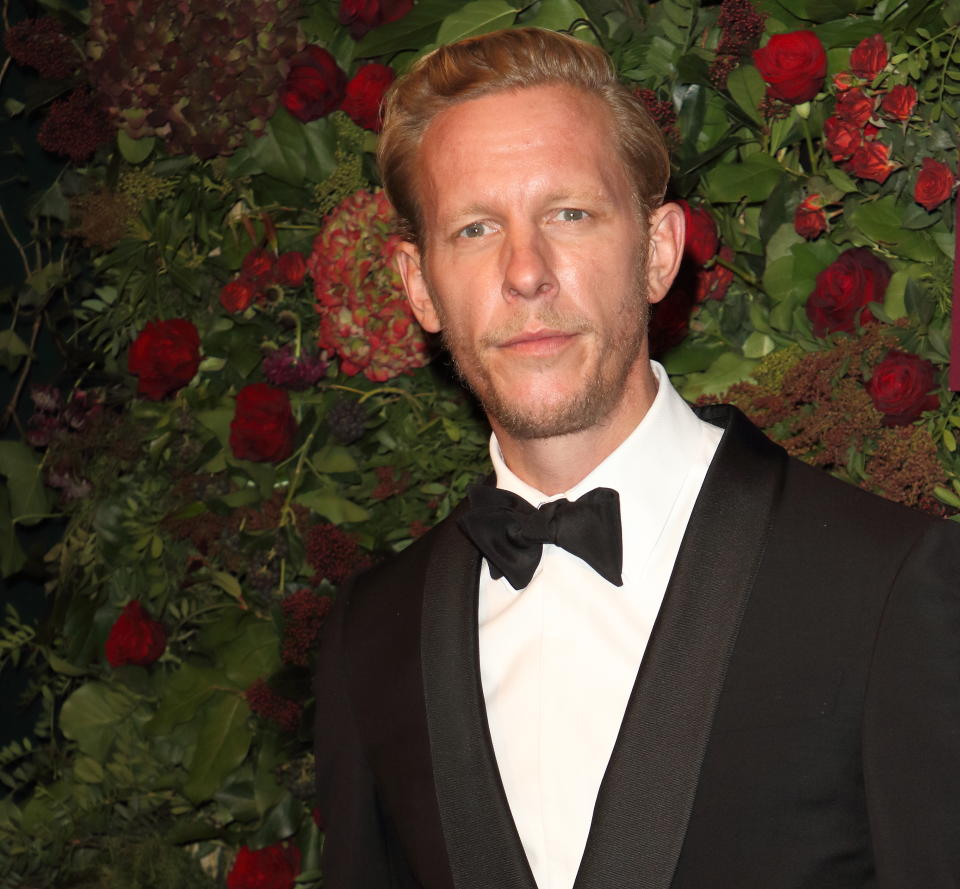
<point>512,59</point>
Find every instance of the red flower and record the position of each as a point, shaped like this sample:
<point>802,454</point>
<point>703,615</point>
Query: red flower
<point>702,240</point>
<point>267,704</point>
<point>810,221</point>
<point>314,87</point>
<point>273,867</point>
<point>75,127</point>
<point>844,80</point>
<point>258,265</point>
<point>365,93</point>
<point>263,427</point>
<point>42,44</point>
<point>854,107</point>
<point>238,294</point>
<point>844,288</point>
<point>714,282</point>
<point>670,319</point>
<point>361,16</point>
<point>872,161</point>
<point>291,269</point>
<point>899,102</point>
<point>165,357</point>
<point>842,138</point>
<point>901,387</point>
<point>794,65</point>
<point>869,57</point>
<point>135,638</point>
<point>934,184</point>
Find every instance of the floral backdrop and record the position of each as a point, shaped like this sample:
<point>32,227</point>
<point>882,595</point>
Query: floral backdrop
<point>247,413</point>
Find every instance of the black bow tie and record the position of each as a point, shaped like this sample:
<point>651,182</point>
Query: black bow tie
<point>511,533</point>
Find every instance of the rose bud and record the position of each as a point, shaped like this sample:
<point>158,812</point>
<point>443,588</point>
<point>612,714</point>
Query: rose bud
<point>164,357</point>
<point>901,387</point>
<point>934,184</point>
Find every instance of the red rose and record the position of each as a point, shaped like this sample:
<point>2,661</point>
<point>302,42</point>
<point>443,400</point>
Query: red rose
<point>291,269</point>
<point>934,184</point>
<point>714,282</point>
<point>258,265</point>
<point>263,427</point>
<point>809,220</point>
<point>273,867</point>
<point>901,387</point>
<point>238,295</point>
<point>899,102</point>
<point>872,161</point>
<point>842,138</point>
<point>670,319</point>
<point>361,16</point>
<point>869,57</point>
<point>854,107</point>
<point>134,638</point>
<point>165,357</point>
<point>365,93</point>
<point>843,81</point>
<point>702,239</point>
<point>314,87</point>
<point>794,65</point>
<point>857,277</point>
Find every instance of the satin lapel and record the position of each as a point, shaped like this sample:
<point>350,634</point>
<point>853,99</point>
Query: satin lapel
<point>647,792</point>
<point>484,849</point>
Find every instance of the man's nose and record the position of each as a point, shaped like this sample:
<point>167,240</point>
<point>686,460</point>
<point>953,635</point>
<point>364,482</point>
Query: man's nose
<point>528,266</point>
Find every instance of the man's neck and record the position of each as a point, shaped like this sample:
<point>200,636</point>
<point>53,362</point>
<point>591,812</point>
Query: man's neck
<point>556,464</point>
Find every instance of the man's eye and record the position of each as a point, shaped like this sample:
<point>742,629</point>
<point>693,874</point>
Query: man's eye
<point>571,214</point>
<point>474,230</point>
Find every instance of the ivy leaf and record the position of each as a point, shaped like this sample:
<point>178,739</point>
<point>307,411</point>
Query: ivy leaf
<point>222,745</point>
<point>478,17</point>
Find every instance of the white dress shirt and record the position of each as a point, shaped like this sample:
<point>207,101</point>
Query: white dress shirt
<point>558,659</point>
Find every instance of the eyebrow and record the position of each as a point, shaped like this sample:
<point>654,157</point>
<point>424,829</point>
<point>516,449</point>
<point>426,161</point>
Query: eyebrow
<point>481,209</point>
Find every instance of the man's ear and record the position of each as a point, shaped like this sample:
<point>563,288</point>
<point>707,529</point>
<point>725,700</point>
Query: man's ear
<point>408,262</point>
<point>665,250</point>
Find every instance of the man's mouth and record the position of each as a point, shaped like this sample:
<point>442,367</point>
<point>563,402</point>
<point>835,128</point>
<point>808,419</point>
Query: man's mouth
<point>543,341</point>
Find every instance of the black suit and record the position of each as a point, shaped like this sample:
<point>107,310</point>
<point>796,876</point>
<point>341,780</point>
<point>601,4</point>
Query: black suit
<point>795,721</point>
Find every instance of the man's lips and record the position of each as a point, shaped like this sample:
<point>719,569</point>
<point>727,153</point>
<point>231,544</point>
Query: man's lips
<point>538,342</point>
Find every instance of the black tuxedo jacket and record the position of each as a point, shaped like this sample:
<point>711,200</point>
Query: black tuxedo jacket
<point>795,722</point>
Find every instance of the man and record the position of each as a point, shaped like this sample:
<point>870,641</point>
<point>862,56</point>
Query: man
<point>760,690</point>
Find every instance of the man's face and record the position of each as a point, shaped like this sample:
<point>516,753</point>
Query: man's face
<point>533,265</point>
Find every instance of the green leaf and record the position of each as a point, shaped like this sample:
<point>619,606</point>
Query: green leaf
<point>29,499</point>
<point>839,179</point>
<point>728,369</point>
<point>477,17</point>
<point>94,715</point>
<point>752,179</point>
<point>87,769</point>
<point>222,745</point>
<point>747,89</point>
<point>758,344</point>
<point>320,140</point>
<point>556,15</point>
<point>182,696</point>
<point>881,221</point>
<point>254,653</point>
<point>894,300</point>
<point>281,150</point>
<point>13,107</point>
<point>217,420</point>
<point>416,29</point>
<point>12,557</point>
<point>332,506</point>
<point>690,357</point>
<point>228,583</point>
<point>12,350</point>
<point>135,151</point>
<point>333,458</point>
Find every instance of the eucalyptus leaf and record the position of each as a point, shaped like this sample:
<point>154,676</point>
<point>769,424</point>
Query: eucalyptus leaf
<point>474,18</point>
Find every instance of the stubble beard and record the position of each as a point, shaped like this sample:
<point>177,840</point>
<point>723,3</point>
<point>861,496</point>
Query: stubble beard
<point>600,390</point>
